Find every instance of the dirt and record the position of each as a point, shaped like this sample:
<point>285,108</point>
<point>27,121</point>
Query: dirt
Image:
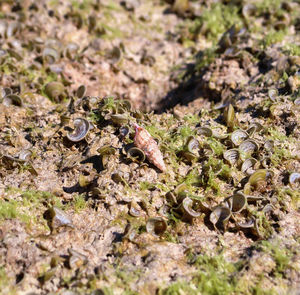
<point>165,66</point>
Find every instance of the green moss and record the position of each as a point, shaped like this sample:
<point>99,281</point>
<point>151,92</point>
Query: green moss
<point>283,193</point>
<point>268,5</point>
<point>157,132</point>
<point>281,255</point>
<point>112,5</point>
<point>186,131</point>
<point>111,32</point>
<point>273,37</point>
<point>29,201</point>
<point>79,202</point>
<point>178,288</point>
<point>191,119</point>
<point>83,4</point>
<point>53,3</point>
<point>107,291</point>
<point>145,185</point>
<point>282,146</point>
<point>8,210</point>
<point>264,225</point>
<point>191,179</point>
<point>276,134</point>
<point>280,154</point>
<point>5,283</point>
<point>212,182</point>
<point>172,238</point>
<point>125,277</point>
<point>214,275</point>
<point>292,49</point>
<point>217,19</point>
<point>226,172</point>
<point>216,146</point>
<point>259,289</point>
<point>108,103</point>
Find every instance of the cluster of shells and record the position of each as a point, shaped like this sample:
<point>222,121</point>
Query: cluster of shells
<point>249,157</point>
<point>45,59</point>
<point>246,154</point>
<point>246,151</point>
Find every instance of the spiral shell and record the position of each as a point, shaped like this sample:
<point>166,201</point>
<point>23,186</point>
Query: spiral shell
<point>148,145</point>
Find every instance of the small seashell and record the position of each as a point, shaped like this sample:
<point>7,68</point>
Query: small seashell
<point>71,51</point>
<point>156,226</point>
<point>269,146</point>
<point>80,92</point>
<point>6,91</point>
<point>47,275</point>
<point>119,119</point>
<point>136,155</point>
<point>129,233</point>
<point>247,148</point>
<point>25,155</point>
<point>232,156</point>
<point>238,136</point>
<point>247,224</point>
<point>12,99</point>
<point>3,27</point>
<point>249,166</point>
<point>54,90</point>
<point>237,202</point>
<point>148,145</point>
<point>219,216</point>
<point>273,94</point>
<point>123,131</point>
<point>258,180</point>
<point>12,29</point>
<point>250,225</point>
<point>59,218</point>
<point>171,198</point>
<point>204,131</point>
<point>134,210</point>
<point>82,127</point>
<point>106,150</point>
<point>297,102</point>
<point>114,55</point>
<point>192,144</point>
<point>254,127</point>
<point>294,179</point>
<point>187,209</point>
<point>50,55</point>
<point>229,116</point>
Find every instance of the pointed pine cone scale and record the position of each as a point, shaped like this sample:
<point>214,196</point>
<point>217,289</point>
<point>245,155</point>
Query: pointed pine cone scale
<point>148,145</point>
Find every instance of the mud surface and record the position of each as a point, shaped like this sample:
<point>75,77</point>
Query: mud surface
<point>83,211</point>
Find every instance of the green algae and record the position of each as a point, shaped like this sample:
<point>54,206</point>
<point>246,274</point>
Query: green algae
<point>273,37</point>
<point>5,283</point>
<point>215,20</point>
<point>22,206</point>
<point>79,203</point>
<point>282,256</point>
<point>213,275</point>
<point>8,210</point>
<point>292,49</point>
